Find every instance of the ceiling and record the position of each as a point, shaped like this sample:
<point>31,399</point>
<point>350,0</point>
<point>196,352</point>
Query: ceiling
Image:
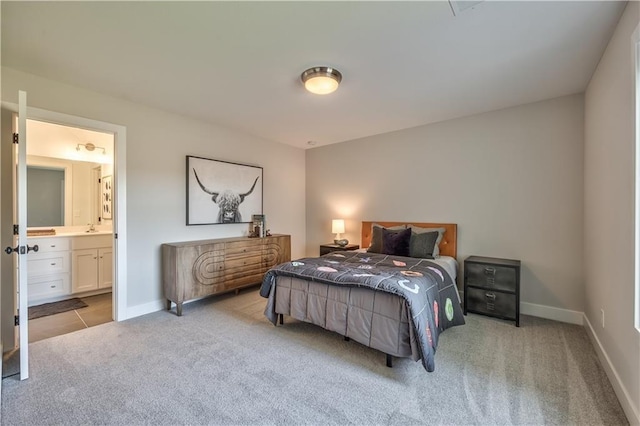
<point>238,64</point>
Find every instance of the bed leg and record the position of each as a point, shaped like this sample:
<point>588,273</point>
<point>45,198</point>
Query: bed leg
<point>281,319</point>
<point>389,361</point>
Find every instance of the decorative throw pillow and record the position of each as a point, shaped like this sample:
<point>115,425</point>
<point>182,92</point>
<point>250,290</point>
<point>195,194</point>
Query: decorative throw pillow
<point>418,230</point>
<point>422,245</point>
<point>396,243</point>
<point>376,236</point>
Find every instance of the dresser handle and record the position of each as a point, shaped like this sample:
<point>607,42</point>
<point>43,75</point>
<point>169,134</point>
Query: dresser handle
<point>490,296</point>
<point>490,271</point>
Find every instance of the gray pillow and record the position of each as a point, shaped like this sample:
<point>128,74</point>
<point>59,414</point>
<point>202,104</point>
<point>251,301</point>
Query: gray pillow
<point>422,245</point>
<point>396,243</point>
<point>418,230</point>
<point>376,236</point>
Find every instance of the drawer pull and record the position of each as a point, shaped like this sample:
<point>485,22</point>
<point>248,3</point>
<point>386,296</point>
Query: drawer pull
<point>489,271</point>
<point>53,286</point>
<point>491,296</point>
<point>53,264</point>
<point>53,245</point>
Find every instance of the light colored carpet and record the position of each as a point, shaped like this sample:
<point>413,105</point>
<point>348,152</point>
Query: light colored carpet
<point>224,363</point>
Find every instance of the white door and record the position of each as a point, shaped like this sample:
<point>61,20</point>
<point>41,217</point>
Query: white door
<point>20,248</point>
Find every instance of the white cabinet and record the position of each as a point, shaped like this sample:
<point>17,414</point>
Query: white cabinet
<point>48,269</point>
<point>92,263</point>
<point>63,266</point>
<point>105,267</point>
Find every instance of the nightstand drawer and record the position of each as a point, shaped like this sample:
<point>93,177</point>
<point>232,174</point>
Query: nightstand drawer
<point>490,302</point>
<point>491,276</point>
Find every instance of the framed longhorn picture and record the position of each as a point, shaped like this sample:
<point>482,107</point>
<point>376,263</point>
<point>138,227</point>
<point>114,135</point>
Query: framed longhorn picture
<point>221,192</point>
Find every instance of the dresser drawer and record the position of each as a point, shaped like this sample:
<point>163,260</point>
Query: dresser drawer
<point>490,302</point>
<point>47,263</point>
<point>51,244</point>
<point>490,276</point>
<point>244,248</point>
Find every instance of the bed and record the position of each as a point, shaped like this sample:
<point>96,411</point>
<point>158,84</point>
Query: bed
<point>396,304</point>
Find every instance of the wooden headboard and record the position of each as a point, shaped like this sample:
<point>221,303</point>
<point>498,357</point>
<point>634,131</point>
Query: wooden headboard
<point>448,245</point>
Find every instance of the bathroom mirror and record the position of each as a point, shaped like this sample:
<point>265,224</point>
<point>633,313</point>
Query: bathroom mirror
<point>62,192</point>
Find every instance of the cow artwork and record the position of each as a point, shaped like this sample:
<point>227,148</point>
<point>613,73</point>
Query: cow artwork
<point>227,201</point>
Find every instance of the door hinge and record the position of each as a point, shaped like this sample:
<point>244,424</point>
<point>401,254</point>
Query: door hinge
<point>15,138</point>
<point>99,180</point>
<point>16,229</point>
<point>115,236</point>
<point>16,320</point>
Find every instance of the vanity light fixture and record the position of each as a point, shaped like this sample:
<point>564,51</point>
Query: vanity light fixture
<point>90,147</point>
<point>321,80</point>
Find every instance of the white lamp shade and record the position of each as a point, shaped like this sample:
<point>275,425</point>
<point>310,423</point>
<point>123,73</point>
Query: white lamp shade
<point>337,226</point>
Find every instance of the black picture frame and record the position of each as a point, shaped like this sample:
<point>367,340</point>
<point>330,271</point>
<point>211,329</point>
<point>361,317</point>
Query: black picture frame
<point>222,192</point>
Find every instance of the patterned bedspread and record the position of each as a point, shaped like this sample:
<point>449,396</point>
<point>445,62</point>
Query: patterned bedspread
<point>427,288</point>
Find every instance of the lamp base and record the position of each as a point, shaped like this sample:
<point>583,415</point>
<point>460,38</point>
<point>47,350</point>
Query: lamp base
<point>341,243</point>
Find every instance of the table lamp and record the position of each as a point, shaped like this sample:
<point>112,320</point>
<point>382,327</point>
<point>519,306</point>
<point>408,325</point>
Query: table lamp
<point>337,227</point>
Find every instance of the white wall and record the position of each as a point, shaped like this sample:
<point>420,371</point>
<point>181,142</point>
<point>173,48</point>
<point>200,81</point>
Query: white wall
<point>609,211</point>
<point>157,143</point>
<point>511,180</point>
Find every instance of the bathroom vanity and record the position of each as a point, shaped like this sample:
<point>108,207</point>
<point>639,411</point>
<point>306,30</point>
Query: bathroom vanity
<point>68,264</point>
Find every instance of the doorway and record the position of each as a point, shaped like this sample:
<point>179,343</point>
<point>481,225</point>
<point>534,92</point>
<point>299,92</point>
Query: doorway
<point>118,269</point>
<point>65,167</point>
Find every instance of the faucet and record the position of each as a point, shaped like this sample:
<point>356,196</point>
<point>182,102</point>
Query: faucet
<point>92,228</point>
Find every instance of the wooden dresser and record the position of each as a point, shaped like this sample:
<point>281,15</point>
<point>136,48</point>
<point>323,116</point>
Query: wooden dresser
<point>194,269</point>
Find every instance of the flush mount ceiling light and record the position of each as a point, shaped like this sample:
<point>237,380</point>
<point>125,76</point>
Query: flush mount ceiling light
<point>321,80</point>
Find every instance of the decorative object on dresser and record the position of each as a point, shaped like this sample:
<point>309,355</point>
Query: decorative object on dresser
<point>328,248</point>
<point>194,269</point>
<point>337,227</point>
<point>492,287</point>
<point>258,226</point>
<point>222,192</point>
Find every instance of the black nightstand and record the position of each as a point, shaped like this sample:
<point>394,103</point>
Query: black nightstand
<point>492,287</point>
<point>328,248</point>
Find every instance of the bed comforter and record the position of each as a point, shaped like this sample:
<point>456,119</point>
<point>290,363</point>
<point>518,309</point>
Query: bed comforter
<point>427,289</point>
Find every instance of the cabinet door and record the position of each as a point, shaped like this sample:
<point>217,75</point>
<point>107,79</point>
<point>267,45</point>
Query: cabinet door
<point>85,270</point>
<point>105,267</point>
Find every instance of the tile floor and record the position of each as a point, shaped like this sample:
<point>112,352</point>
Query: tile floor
<point>97,312</point>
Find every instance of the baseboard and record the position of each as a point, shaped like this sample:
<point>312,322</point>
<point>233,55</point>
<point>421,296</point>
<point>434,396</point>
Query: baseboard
<point>549,312</point>
<point>632,411</point>
<point>145,308</point>
<point>155,306</point>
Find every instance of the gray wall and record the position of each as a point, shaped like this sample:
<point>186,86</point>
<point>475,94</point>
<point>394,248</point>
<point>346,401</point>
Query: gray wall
<point>157,143</point>
<point>609,210</point>
<point>511,180</point>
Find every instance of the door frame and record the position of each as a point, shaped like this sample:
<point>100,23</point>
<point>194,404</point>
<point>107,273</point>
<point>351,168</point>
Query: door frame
<point>120,192</point>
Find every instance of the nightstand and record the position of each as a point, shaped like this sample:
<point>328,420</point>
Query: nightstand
<point>328,248</point>
<point>492,287</point>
